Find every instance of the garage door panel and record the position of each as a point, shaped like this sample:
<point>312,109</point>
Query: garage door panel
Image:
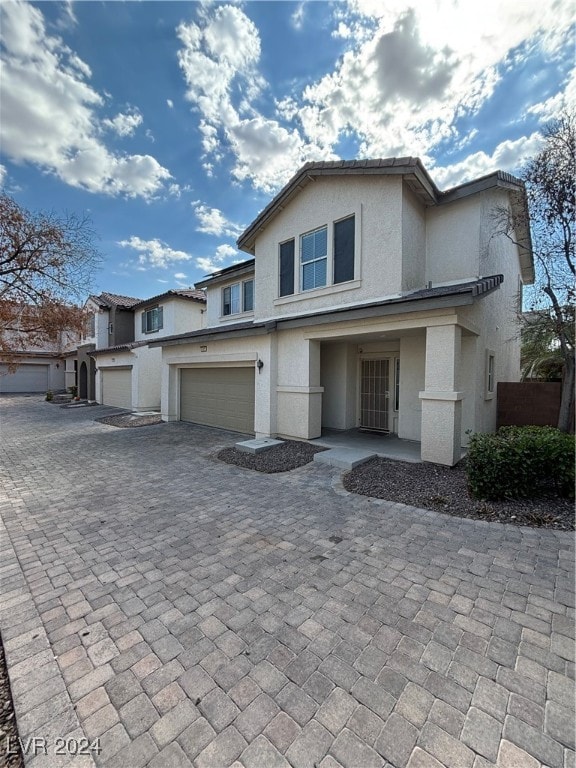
<point>26,378</point>
<point>117,388</point>
<point>218,397</point>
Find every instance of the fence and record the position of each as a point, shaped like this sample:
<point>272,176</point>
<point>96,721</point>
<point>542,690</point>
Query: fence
<point>528,402</point>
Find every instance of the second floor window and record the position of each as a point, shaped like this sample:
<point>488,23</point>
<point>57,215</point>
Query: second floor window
<point>152,320</point>
<point>238,298</point>
<point>344,250</point>
<point>313,259</point>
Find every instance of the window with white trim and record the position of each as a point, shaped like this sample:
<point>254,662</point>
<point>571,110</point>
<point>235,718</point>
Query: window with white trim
<point>238,298</point>
<point>313,259</point>
<point>490,375</point>
<point>152,320</point>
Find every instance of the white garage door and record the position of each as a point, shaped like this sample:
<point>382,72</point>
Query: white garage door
<point>117,387</point>
<point>27,378</point>
<point>218,397</point>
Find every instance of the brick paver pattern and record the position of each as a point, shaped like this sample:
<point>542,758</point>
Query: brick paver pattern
<point>187,612</point>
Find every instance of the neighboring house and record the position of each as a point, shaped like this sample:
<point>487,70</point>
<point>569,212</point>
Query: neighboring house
<point>32,355</point>
<point>128,374</point>
<point>40,367</point>
<point>377,302</point>
<point>109,322</point>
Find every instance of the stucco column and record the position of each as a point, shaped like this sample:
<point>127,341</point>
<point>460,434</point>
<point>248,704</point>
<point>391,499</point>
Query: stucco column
<point>442,399</point>
<point>169,391</point>
<point>266,377</point>
<point>299,392</point>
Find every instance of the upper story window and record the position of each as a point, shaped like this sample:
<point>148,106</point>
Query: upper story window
<point>314,259</point>
<point>323,254</point>
<point>152,320</point>
<point>238,297</point>
<point>287,268</point>
<point>344,250</point>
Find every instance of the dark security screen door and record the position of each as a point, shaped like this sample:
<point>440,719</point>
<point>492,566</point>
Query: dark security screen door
<point>375,395</point>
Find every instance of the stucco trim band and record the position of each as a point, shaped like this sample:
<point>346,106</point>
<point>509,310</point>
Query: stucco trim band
<point>454,396</point>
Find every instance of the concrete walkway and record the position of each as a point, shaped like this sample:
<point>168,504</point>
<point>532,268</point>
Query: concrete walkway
<point>178,611</point>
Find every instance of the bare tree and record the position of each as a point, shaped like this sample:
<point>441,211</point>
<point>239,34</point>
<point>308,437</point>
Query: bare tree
<point>46,265</point>
<point>550,181</point>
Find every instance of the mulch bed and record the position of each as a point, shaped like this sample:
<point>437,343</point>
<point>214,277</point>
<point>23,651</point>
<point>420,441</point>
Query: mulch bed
<point>282,458</point>
<point>445,489</point>
<point>10,752</point>
<point>129,420</point>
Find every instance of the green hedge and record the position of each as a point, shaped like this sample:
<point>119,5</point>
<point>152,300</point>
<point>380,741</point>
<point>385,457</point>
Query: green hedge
<point>521,461</point>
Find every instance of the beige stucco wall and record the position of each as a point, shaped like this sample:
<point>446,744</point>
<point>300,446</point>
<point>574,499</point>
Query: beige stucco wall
<point>412,365</point>
<point>413,241</point>
<point>178,316</point>
<point>214,316</point>
<point>453,241</point>
<point>495,315</point>
<point>376,203</point>
<point>338,378</point>
<point>101,322</point>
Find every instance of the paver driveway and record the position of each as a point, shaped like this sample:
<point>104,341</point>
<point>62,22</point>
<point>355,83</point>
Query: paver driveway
<point>188,612</point>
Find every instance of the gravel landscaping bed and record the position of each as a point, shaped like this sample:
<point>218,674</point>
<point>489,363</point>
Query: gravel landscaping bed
<point>129,420</point>
<point>12,757</point>
<point>445,489</point>
<point>281,458</point>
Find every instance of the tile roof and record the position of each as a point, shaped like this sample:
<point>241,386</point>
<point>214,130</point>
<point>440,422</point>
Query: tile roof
<point>473,288</point>
<point>119,347</point>
<point>108,300</point>
<point>183,293</point>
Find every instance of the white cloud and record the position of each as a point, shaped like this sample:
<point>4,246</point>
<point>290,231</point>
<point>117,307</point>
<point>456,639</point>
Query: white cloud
<point>213,222</point>
<point>154,253</point>
<point>408,74</point>
<point>3,174</point>
<point>224,253</point>
<point>124,124</point>
<point>50,112</point>
<point>219,58</point>
<point>508,156</point>
<point>170,103</point>
<point>415,69</point>
<point>297,17</point>
<point>180,276</point>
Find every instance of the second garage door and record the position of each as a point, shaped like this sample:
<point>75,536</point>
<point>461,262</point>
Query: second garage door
<point>218,397</point>
<point>117,387</point>
<point>26,378</point>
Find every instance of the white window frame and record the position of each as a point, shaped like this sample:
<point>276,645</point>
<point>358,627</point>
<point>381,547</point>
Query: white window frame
<point>316,260</point>
<point>239,286</point>
<point>490,375</point>
<point>155,315</point>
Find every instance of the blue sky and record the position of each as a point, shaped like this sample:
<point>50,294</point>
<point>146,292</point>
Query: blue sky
<point>172,124</point>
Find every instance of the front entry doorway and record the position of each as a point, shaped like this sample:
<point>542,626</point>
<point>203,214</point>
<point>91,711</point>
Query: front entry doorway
<point>375,395</point>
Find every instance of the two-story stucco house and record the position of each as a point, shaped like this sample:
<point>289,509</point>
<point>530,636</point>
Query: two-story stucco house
<point>109,321</point>
<point>373,301</point>
<point>128,373</point>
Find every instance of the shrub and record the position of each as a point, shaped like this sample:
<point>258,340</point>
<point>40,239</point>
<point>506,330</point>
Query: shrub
<point>521,461</point>
<point>49,395</point>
